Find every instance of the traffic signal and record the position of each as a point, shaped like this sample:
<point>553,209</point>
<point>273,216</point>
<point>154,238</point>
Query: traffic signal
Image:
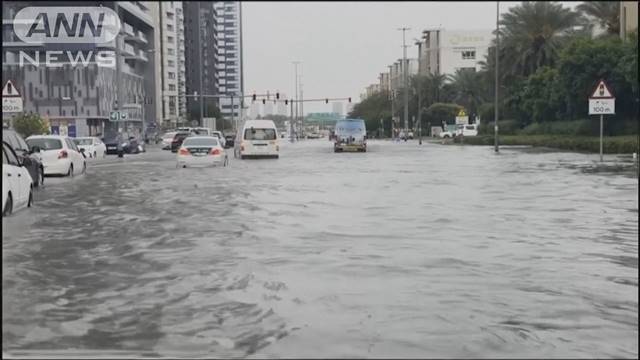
<point>264,101</point>
<point>254,97</point>
<point>349,99</point>
<point>326,101</point>
<point>277,96</point>
<point>286,102</point>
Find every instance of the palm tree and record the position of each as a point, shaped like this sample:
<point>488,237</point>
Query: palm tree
<point>531,35</point>
<point>468,89</point>
<point>606,13</point>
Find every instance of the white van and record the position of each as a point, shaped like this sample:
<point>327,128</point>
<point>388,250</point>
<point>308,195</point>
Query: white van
<point>257,138</point>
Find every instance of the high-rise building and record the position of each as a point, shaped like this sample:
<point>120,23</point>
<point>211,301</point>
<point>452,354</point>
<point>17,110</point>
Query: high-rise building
<point>77,98</point>
<point>201,57</point>
<point>173,77</point>
<point>337,107</point>
<point>230,71</point>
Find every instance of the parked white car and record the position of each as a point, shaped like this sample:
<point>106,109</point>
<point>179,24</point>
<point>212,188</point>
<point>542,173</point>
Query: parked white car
<point>59,154</point>
<point>17,185</point>
<point>167,138</point>
<point>467,130</point>
<point>220,136</point>
<point>201,151</point>
<point>92,146</point>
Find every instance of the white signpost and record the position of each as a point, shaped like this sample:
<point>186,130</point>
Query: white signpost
<point>602,102</point>
<point>11,99</point>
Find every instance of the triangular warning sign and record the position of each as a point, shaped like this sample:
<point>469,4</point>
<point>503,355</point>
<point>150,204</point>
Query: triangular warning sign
<point>601,91</point>
<point>461,113</point>
<point>9,90</point>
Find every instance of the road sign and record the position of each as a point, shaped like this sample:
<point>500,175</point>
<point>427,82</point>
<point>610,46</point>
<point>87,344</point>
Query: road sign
<point>114,116</point>
<point>461,113</point>
<point>602,102</point>
<point>11,99</point>
<point>602,106</point>
<point>123,116</point>
<point>602,91</point>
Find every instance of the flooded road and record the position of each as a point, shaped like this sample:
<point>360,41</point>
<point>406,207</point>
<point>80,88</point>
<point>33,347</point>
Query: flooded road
<point>403,251</point>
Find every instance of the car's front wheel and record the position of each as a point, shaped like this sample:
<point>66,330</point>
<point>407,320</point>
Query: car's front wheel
<point>8,207</point>
<point>30,201</point>
<point>70,171</point>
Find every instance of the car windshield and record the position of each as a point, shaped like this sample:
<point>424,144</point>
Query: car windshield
<point>83,141</point>
<point>209,141</point>
<point>45,143</point>
<point>259,134</point>
<point>350,127</point>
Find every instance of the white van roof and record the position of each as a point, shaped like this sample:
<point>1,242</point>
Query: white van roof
<point>264,124</point>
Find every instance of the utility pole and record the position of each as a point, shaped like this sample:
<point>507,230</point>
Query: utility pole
<point>200,61</point>
<point>405,73</point>
<point>392,99</point>
<point>295,63</point>
<point>497,68</point>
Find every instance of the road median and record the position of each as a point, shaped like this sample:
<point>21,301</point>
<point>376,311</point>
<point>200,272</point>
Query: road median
<point>591,144</point>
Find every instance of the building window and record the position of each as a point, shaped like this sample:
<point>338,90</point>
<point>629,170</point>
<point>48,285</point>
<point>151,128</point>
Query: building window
<point>169,27</point>
<point>172,87</point>
<point>171,63</point>
<point>170,39</point>
<point>171,75</point>
<point>171,52</point>
<point>469,55</point>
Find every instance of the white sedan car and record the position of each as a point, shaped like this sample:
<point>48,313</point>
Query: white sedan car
<point>201,151</point>
<point>92,146</point>
<point>17,185</point>
<point>59,154</point>
<point>220,137</point>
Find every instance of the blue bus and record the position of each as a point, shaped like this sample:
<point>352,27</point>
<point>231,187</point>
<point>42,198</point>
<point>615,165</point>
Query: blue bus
<point>350,135</point>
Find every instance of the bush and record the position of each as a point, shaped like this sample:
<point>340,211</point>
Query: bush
<point>30,124</point>
<point>439,112</point>
<point>611,145</point>
<point>505,127</point>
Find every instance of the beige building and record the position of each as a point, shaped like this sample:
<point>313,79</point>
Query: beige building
<point>628,18</point>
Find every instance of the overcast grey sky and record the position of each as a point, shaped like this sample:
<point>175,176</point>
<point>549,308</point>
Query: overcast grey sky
<point>343,46</point>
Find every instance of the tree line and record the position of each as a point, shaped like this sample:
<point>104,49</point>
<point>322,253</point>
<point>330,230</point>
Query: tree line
<point>550,61</point>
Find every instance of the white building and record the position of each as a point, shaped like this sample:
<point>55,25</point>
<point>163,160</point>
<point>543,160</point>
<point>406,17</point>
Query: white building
<point>229,67</point>
<point>445,51</point>
<point>174,105</point>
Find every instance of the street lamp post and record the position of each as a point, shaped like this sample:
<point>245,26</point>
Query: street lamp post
<point>200,62</point>
<point>404,76</point>
<point>496,149</point>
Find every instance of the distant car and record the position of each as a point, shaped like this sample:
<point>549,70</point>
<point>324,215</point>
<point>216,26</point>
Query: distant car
<point>167,138</point>
<point>129,146</point>
<point>201,131</point>
<point>17,184</point>
<point>446,134</point>
<point>257,138</point>
<point>229,141</point>
<point>467,130</point>
<point>201,151</point>
<point>220,136</point>
<point>410,135</point>
<point>178,138</point>
<point>351,135</point>
<point>59,154</point>
<point>25,154</point>
<point>92,146</point>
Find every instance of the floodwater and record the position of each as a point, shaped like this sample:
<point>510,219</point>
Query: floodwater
<point>403,251</point>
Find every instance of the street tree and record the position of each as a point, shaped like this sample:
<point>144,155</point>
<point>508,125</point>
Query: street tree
<point>27,124</point>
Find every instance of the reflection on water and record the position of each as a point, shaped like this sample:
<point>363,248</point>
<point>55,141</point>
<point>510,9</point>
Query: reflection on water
<point>404,251</point>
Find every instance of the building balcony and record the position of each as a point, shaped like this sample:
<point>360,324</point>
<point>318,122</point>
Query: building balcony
<point>128,50</point>
<point>127,29</point>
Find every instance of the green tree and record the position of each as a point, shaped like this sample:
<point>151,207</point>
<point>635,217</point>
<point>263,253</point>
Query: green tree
<point>539,98</point>
<point>438,113</point>
<point>606,13</point>
<point>532,34</point>
<point>27,124</point>
<point>373,109</point>
<point>584,62</point>
<point>468,90</point>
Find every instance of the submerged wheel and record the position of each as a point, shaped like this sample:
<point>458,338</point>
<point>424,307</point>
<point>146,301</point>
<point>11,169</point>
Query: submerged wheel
<point>30,201</point>
<point>8,208</point>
